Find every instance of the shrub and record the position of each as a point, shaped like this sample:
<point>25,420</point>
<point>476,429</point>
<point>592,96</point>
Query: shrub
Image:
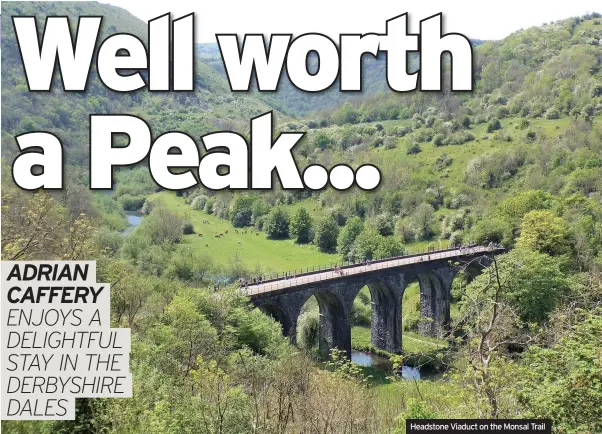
<point>241,210</point>
<point>209,206</point>
<point>147,207</point>
<point>503,112</point>
<point>413,148</point>
<point>403,131</point>
<point>424,135</point>
<point>552,113</point>
<point>309,329</point>
<point>131,203</point>
<point>109,240</point>
<point>377,142</point>
<point>187,228</point>
<point>383,224</point>
<point>390,142</point>
<point>459,200</point>
<point>241,219</point>
<point>455,239</point>
<point>530,136</point>
<point>405,230</point>
<point>587,111</point>
<point>596,90</point>
<point>321,140</point>
<point>494,125</point>
<point>523,124</point>
<point>503,137</point>
<point>361,313</point>
<point>260,222</point>
<point>198,203</point>
<point>370,245</point>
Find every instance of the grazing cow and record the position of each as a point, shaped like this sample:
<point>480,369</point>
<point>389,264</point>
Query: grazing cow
<point>199,235</point>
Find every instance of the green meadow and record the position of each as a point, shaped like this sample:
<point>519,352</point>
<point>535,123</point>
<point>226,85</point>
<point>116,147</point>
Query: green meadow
<point>248,246</point>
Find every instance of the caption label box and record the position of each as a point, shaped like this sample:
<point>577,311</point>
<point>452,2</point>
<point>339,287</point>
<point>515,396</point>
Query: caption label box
<point>57,343</point>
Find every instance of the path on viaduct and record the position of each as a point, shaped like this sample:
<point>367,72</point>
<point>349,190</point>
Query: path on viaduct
<point>335,291</point>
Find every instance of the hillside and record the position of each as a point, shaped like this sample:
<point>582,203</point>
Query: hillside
<point>448,160</point>
<point>211,107</point>
<point>291,100</point>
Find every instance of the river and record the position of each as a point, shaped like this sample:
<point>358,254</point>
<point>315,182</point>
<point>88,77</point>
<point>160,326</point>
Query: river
<point>134,219</point>
<point>383,364</point>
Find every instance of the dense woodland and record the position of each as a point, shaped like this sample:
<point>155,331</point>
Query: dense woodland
<point>516,162</point>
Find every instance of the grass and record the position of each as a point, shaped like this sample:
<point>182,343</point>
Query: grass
<point>257,253</point>
<point>413,343</point>
<point>421,166</point>
<point>252,248</point>
<point>255,249</point>
<point>419,350</point>
<point>589,25</point>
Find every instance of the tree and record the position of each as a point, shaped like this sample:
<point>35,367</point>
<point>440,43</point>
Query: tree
<point>389,247</point>
<point>348,235</point>
<point>36,226</point>
<point>491,230</point>
<point>488,324</point>
<point>383,224</point>
<point>193,333</point>
<point>241,210</point>
<point>223,406</point>
<point>276,224</point>
<point>534,282</point>
<point>300,227</point>
<point>414,410</point>
<point>366,244</point>
<point>501,310</point>
<point>326,232</point>
<point>544,232</point>
<point>321,140</point>
<point>186,265</point>
<point>161,226</point>
<point>423,218</point>
<point>517,205</point>
<point>370,244</point>
<point>346,114</point>
<point>564,383</point>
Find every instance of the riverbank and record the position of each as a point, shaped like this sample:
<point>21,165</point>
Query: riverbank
<point>418,351</point>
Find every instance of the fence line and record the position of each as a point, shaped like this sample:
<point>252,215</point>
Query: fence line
<point>354,269</point>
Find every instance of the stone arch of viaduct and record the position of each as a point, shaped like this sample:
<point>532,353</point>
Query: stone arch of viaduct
<point>336,296</point>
